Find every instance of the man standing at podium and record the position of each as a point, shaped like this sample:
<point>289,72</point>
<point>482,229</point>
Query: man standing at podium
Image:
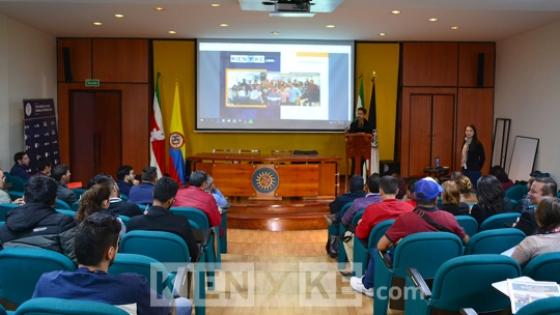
<point>361,124</point>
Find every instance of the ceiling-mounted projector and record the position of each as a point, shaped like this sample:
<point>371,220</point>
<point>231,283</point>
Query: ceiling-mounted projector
<point>290,7</point>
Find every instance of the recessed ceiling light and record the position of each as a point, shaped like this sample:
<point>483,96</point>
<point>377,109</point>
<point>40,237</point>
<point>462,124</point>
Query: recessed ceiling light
<point>224,25</point>
<point>97,23</point>
<point>434,19</point>
<point>274,33</point>
<point>382,34</point>
<point>119,15</point>
<point>159,8</point>
<point>330,26</point>
<point>395,12</point>
<point>454,27</point>
<point>215,5</point>
<point>171,32</point>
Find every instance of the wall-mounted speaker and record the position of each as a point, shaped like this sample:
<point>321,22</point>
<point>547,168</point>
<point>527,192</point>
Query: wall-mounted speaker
<point>480,70</point>
<point>67,64</point>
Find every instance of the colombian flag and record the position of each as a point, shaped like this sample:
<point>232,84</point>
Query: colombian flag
<point>177,151</point>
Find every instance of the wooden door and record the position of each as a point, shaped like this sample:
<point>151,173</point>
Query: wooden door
<point>95,122</point>
<point>420,133</point>
<point>443,114</point>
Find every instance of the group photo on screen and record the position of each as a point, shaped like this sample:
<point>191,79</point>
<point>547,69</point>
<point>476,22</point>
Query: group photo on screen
<point>259,89</point>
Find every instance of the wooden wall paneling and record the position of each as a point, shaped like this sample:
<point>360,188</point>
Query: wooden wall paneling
<point>443,120</point>
<point>135,124</point>
<point>429,64</point>
<point>80,58</point>
<point>82,124</point>
<point>234,179</point>
<point>475,106</point>
<point>420,133</point>
<point>327,182</point>
<point>120,60</point>
<point>468,63</point>
<point>298,180</point>
<point>404,131</point>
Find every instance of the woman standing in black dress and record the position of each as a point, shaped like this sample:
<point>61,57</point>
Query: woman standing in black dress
<point>472,155</point>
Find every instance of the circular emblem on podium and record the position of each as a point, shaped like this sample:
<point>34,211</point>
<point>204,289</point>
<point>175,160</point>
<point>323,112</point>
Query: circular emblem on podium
<point>265,180</point>
<point>176,140</point>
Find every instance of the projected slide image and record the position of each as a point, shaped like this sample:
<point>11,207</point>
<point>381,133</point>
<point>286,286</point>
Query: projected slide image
<point>252,88</point>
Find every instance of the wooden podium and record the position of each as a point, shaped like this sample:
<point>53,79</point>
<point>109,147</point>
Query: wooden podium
<point>358,149</point>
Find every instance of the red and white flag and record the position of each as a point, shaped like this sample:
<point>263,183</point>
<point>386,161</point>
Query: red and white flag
<point>157,134</point>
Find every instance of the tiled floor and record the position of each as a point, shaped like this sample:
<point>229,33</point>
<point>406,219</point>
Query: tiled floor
<point>282,273</point>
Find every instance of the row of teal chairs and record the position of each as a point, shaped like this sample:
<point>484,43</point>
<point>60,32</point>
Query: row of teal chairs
<point>54,306</point>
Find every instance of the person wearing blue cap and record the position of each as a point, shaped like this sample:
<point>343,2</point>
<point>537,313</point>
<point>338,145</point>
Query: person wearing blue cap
<point>425,218</point>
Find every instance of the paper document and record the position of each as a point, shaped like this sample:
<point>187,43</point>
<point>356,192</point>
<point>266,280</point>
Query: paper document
<point>524,290</point>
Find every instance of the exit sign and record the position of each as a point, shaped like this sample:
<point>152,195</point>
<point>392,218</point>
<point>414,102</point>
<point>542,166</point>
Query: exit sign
<point>93,83</point>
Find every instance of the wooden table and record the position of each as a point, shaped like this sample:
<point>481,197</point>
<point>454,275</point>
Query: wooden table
<point>270,176</point>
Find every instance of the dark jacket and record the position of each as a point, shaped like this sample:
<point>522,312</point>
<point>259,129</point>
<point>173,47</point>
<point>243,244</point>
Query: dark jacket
<point>119,207</point>
<point>124,187</point>
<point>475,157</point>
<point>21,172</point>
<point>527,222</point>
<point>355,128</point>
<point>161,219</point>
<point>459,209</point>
<point>65,194</point>
<point>141,194</point>
<point>38,225</point>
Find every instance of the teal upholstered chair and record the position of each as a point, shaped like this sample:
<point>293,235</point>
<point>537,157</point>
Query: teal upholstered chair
<point>376,233</point>
<point>499,221</point>
<point>125,219</point>
<point>162,246</point>
<point>79,192</point>
<point>548,306</point>
<point>516,192</point>
<point>424,251</point>
<point>145,266</point>
<point>545,267</point>
<point>15,194</point>
<point>338,229</point>
<point>2,310</point>
<point>468,223</point>
<point>54,306</point>
<point>5,208</point>
<point>14,183</point>
<point>494,241</point>
<point>464,282</point>
<point>359,250</point>
<point>20,268</point>
<point>223,232</point>
<point>61,204</point>
<point>199,220</point>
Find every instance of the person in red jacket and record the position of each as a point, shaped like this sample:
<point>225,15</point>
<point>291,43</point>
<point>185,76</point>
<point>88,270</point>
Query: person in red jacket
<point>194,196</point>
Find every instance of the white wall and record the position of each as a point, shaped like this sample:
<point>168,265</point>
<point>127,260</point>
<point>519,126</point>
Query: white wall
<point>528,91</point>
<point>27,70</point>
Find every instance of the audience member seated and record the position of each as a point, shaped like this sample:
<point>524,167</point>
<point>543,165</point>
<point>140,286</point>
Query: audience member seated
<point>159,218</point>
<point>425,218</point>
<point>194,196</point>
<point>4,196</point>
<point>540,187</point>
<point>143,193</point>
<point>61,175</point>
<point>547,216</point>
<point>126,179</point>
<point>221,200</point>
<point>96,243</point>
<point>372,196</point>
<point>409,198</point>
<point>388,208</point>
<point>117,206</point>
<point>502,176</point>
<point>491,199</point>
<point>36,223</point>
<point>451,199</point>
<point>44,167</point>
<point>21,167</point>
<point>356,186</point>
<point>465,188</point>
<point>96,199</point>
